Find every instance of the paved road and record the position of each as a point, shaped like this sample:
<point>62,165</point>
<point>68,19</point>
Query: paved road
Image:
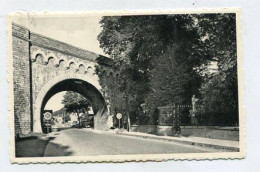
<point>82,142</point>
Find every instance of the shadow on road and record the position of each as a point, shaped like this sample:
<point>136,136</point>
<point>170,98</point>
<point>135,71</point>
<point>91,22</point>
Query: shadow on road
<point>36,146</point>
<point>57,150</point>
<point>31,147</point>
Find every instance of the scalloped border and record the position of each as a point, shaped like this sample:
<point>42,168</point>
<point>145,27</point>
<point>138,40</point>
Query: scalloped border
<point>139,157</point>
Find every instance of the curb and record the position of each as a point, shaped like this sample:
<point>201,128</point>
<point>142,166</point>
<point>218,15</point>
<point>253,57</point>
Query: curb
<point>233,149</point>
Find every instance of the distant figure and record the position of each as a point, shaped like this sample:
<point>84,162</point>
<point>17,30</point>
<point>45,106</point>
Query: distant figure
<point>194,120</point>
<point>193,101</point>
<point>110,122</point>
<point>108,109</point>
<point>110,117</point>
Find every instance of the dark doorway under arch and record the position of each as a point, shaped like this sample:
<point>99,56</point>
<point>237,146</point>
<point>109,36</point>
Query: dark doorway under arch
<point>82,87</point>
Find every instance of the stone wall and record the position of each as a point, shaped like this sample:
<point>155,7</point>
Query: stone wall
<point>48,65</point>
<point>57,64</point>
<point>213,132</point>
<point>21,79</point>
<point>150,129</point>
<point>38,60</point>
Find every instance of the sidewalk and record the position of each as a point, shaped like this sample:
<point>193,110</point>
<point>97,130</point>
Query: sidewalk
<point>197,141</point>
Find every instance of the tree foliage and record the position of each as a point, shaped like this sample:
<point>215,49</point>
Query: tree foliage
<point>164,59</point>
<point>75,103</point>
<point>168,80</point>
<point>139,45</point>
<point>219,90</point>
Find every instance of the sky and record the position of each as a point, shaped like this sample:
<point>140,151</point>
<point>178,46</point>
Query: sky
<point>80,31</point>
<point>55,102</point>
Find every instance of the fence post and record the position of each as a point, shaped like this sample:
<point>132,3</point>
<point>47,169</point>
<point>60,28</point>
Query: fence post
<point>176,120</point>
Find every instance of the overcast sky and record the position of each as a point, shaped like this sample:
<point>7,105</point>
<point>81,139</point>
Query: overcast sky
<point>78,31</point>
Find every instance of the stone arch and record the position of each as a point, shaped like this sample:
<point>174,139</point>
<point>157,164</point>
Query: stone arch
<point>82,68</point>
<point>81,64</point>
<point>89,67</point>
<point>51,55</point>
<point>37,125</point>
<point>37,52</point>
<point>73,64</point>
<point>70,62</point>
<point>60,61</point>
<point>50,59</point>
<point>39,59</point>
<point>91,70</point>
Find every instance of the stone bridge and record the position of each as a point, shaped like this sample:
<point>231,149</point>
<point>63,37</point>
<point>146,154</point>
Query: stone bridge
<point>43,67</point>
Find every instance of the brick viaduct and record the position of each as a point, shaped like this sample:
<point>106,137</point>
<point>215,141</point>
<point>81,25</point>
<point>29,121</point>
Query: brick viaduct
<point>43,67</point>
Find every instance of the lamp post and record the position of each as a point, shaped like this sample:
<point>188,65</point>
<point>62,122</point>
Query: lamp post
<point>125,98</point>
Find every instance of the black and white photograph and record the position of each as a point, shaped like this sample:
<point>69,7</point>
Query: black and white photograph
<point>137,86</point>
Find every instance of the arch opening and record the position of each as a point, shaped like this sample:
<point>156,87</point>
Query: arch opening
<point>82,87</point>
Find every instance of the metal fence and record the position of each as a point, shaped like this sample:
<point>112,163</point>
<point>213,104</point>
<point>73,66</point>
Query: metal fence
<point>169,114</point>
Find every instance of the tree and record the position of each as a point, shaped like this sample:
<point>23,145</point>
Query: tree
<point>219,90</point>
<point>163,59</point>
<point>137,43</point>
<point>168,79</point>
<point>75,103</point>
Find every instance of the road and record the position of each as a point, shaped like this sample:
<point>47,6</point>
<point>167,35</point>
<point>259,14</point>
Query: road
<point>83,142</point>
